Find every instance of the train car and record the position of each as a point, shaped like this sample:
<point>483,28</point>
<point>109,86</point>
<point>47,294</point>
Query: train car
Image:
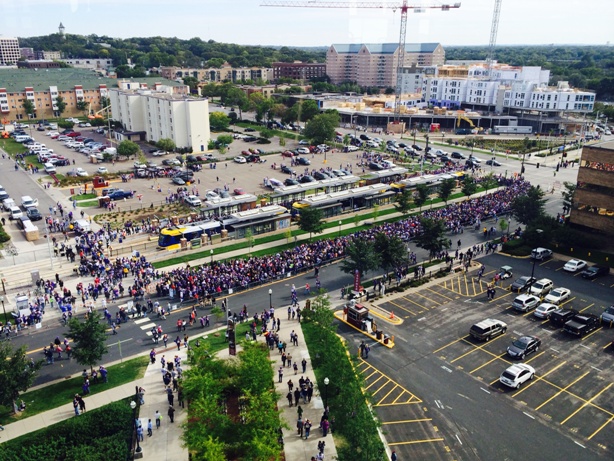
<point>221,206</point>
<point>506,129</point>
<point>431,180</point>
<point>258,220</point>
<point>170,238</point>
<point>290,194</point>
<point>389,175</point>
<point>336,203</point>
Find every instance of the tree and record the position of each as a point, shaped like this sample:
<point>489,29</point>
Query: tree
<point>17,373</point>
<point>249,238</point>
<point>128,149</point>
<point>527,208</point>
<point>432,236</point>
<point>310,220</point>
<point>166,144</point>
<point>445,189</point>
<point>104,102</point>
<point>266,133</point>
<point>82,106</point>
<point>568,193</point>
<point>192,82</point>
<point>469,186</point>
<point>391,250</point>
<point>224,139</point>
<point>421,195</point>
<point>404,202</point>
<point>89,338</point>
<point>308,110</point>
<point>321,128</point>
<point>219,121</point>
<point>60,104</point>
<point>489,182</point>
<point>237,97</point>
<point>360,255</point>
<point>321,312</point>
<point>28,107</point>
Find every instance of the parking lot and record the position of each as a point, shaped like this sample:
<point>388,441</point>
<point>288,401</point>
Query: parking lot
<point>573,385</point>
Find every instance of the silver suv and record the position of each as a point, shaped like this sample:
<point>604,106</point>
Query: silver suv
<point>541,288</point>
<point>525,303</point>
<point>487,329</point>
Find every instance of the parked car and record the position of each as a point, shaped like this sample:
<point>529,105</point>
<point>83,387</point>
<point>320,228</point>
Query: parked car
<point>559,317</point>
<point>240,159</point>
<point>522,284</point>
<point>303,150</point>
<point>574,265</point>
<point>542,287</point>
<point>287,153</point>
<point>102,170</point>
<point>28,202</point>
<point>541,253</point>
<point>306,179</point>
<point>416,147</point>
<point>286,169</point>
<point>582,324</point>
<point>320,176</point>
<point>558,295</point>
<point>595,271</point>
<point>303,161</point>
<point>33,214</point>
<point>517,374</point>
<point>458,155</point>
<point>492,162</point>
<point>81,172</point>
<point>488,329</point>
<point>544,310</point>
<point>607,316</point>
<point>158,153</point>
<point>291,182</point>
<point>525,303</point>
<point>524,346</point>
<point>120,194</point>
<point>193,200</point>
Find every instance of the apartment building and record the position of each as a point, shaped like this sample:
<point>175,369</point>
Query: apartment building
<point>89,63</point>
<point>226,73</point>
<point>376,64</point>
<point>298,70</point>
<point>27,53</point>
<point>593,202</point>
<point>511,87</point>
<point>9,51</point>
<point>42,87</point>
<point>153,114</point>
<point>48,55</point>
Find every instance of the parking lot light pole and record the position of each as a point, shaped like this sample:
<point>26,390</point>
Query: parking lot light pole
<point>270,298</point>
<point>326,382</point>
<point>339,228</point>
<point>211,253</point>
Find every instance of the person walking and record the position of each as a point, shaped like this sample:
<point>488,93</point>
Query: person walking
<point>158,419</point>
<point>393,457</point>
<point>304,364</point>
<point>299,427</point>
<point>280,374</point>
<point>75,404</point>
<point>170,395</point>
<point>171,414</point>
<point>307,427</point>
<point>149,428</point>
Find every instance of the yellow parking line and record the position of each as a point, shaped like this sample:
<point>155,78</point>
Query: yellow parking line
<point>478,348</point>
<point>587,403</point>
<point>540,378</point>
<point>395,400</point>
<point>590,305</point>
<point>568,301</point>
<point>581,399</point>
<point>374,382</point>
<point>487,363</point>
<point>415,441</point>
<point>414,302</point>
<point>403,308</point>
<point>384,397</point>
<point>492,354</point>
<point>439,294</point>
<point>562,390</point>
<point>591,334</point>
<point>466,287</point>
<point>607,345</point>
<point>535,356</point>
<point>371,375</point>
<point>602,426</point>
<point>503,296</point>
<point>381,387</point>
<point>449,344</point>
<point>408,421</point>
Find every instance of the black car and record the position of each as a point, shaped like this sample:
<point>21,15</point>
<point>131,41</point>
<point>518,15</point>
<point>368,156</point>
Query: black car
<point>428,149</point>
<point>34,214</point>
<point>523,346</point>
<point>375,166</point>
<point>595,271</point>
<point>444,158</point>
<point>302,161</point>
<point>403,145</point>
<point>286,169</point>
<point>560,317</point>
<point>291,182</point>
<point>185,175</point>
<point>364,137</point>
<point>320,176</point>
<point>190,159</point>
<point>522,284</point>
<point>582,324</point>
<point>249,138</point>
<point>249,130</point>
<point>458,155</point>
<point>492,162</point>
<point>306,179</point>
<point>416,147</point>
<point>253,158</point>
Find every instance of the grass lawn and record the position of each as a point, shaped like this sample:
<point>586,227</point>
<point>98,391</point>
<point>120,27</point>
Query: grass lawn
<point>62,393</point>
<point>83,196</point>
<point>12,147</point>
<point>33,160</point>
<point>87,204</point>
<point>217,341</point>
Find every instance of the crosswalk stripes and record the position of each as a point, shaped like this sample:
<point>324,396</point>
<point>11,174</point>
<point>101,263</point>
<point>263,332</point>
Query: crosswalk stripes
<point>148,326</point>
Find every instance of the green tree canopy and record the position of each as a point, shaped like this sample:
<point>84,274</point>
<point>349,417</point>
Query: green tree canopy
<point>529,207</point>
<point>489,182</point>
<point>432,236</point>
<point>421,195</point>
<point>237,97</point>
<point>445,189</point>
<point>17,373</point>
<point>89,339</point>
<point>60,104</point>
<point>166,144</point>
<point>321,128</point>
<point>128,149</point>
<point>310,220</point>
<point>469,186</point>
<point>391,250</point>
<point>360,256</point>
<point>28,107</point>
<point>404,202</point>
<point>219,121</point>
<point>568,192</point>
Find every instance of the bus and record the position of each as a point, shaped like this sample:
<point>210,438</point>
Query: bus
<point>258,221</point>
<point>170,237</point>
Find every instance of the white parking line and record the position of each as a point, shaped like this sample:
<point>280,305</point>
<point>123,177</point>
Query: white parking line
<point>459,440</point>
<point>447,369</point>
<point>595,368</point>
<point>578,443</point>
<point>553,349</point>
<point>488,392</point>
<point>530,416</point>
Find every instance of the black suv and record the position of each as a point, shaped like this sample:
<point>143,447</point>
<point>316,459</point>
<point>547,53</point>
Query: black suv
<point>560,317</point>
<point>522,284</point>
<point>582,324</point>
<point>458,155</point>
<point>286,169</point>
<point>595,271</point>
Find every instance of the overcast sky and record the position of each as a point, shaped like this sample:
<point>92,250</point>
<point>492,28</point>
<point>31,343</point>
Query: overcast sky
<point>246,22</point>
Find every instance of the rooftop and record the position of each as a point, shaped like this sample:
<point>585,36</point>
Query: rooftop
<point>386,48</point>
<point>15,80</point>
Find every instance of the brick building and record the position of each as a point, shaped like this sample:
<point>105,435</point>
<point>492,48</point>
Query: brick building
<point>298,70</point>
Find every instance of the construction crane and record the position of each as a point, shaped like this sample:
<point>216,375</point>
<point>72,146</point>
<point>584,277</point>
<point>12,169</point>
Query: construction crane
<point>402,6</point>
<point>494,28</point>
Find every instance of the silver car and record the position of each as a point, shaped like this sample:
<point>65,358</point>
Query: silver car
<point>607,316</point>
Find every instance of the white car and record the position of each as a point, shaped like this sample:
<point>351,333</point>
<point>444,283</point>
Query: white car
<point>81,172</point>
<point>352,148</point>
<point>28,202</point>
<point>240,159</point>
<point>8,203</point>
<point>63,137</point>
<point>139,165</point>
<point>558,295</point>
<point>303,142</point>
<point>102,170</point>
<point>52,133</point>
<point>302,150</point>
<point>158,153</point>
<point>193,200</point>
<point>210,195</point>
<point>516,375</point>
<point>544,310</point>
<point>574,265</point>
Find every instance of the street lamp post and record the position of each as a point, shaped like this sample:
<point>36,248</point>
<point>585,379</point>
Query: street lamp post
<point>339,228</point>
<point>270,298</point>
<point>326,382</point>
<point>211,253</point>
<point>3,309</point>
<point>133,405</point>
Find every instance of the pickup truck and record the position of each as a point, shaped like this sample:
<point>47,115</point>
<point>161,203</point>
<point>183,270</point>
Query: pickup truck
<point>582,324</point>
<point>120,194</point>
<point>560,317</point>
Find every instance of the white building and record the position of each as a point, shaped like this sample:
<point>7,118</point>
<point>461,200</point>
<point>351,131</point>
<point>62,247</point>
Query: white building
<point>161,114</point>
<point>89,63</point>
<point>512,87</point>
<point>9,51</point>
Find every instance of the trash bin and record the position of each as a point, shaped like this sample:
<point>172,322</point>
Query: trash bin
<point>378,334</point>
<point>386,339</point>
<point>538,165</point>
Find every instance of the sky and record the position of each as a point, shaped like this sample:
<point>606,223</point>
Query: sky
<point>245,22</point>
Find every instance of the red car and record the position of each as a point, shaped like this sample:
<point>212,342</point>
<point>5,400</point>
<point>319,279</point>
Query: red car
<point>287,153</point>
<point>244,152</point>
<point>239,191</point>
<point>73,134</point>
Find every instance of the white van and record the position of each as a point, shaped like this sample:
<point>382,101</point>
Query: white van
<point>22,138</point>
<point>81,226</point>
<point>50,168</point>
<point>15,213</point>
